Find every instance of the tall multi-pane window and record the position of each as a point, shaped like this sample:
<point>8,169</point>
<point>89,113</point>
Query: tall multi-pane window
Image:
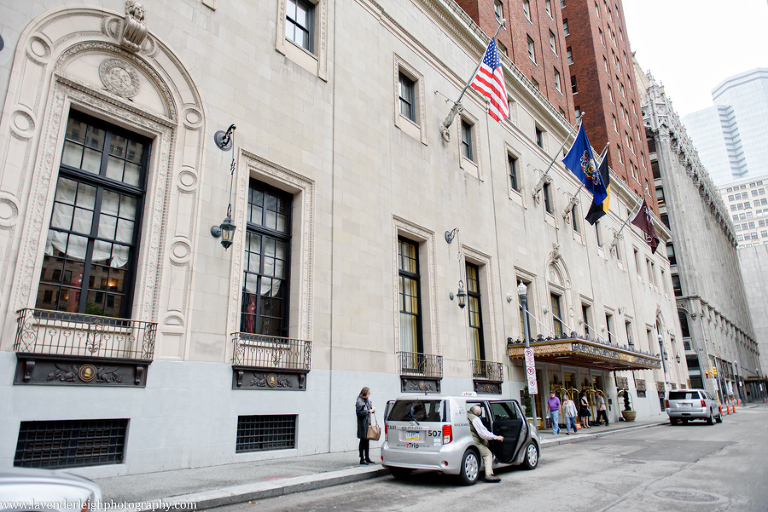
<point>498,10</point>
<point>609,326</point>
<point>409,298</point>
<point>475,314</point>
<point>527,9</point>
<point>529,307</point>
<point>90,253</point>
<point>513,178</point>
<point>266,262</point>
<point>407,95</point>
<point>547,193</point>
<point>299,23</point>
<point>556,314</point>
<point>552,43</point>
<point>585,317</point>
<point>557,81</point>
<point>466,140</point>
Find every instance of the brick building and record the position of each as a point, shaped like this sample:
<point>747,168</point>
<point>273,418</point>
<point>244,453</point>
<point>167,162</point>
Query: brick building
<point>603,86</point>
<point>587,39</point>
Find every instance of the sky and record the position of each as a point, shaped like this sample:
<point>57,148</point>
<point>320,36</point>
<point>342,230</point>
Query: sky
<point>691,46</point>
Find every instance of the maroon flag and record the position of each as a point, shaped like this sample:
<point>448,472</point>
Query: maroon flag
<point>644,221</point>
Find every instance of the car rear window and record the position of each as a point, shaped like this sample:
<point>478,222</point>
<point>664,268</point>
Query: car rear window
<point>683,395</point>
<point>418,410</point>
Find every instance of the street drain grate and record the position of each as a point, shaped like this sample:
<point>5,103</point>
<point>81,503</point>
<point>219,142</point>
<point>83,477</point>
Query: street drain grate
<point>687,496</point>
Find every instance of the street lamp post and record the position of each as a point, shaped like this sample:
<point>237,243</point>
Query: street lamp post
<point>522,292</point>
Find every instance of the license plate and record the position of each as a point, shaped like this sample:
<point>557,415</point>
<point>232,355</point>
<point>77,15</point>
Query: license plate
<point>412,435</point>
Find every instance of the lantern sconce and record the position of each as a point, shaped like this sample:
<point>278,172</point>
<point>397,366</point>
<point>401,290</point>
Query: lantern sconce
<point>226,230</point>
<point>461,294</point>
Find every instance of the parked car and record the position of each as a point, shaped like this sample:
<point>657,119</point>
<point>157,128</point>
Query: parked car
<point>432,433</point>
<point>692,404</point>
<point>30,490</point>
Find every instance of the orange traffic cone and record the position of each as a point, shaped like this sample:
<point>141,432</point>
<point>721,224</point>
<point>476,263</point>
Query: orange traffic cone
<point>721,408</point>
<point>738,400</point>
<point>734,408</point>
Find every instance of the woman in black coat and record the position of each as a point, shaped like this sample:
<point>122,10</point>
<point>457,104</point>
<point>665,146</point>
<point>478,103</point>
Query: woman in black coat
<point>364,409</point>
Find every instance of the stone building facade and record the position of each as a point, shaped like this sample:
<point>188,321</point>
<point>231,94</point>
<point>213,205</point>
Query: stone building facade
<point>129,131</point>
<point>721,349</point>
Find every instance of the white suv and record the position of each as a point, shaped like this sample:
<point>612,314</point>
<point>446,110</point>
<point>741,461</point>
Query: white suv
<point>692,404</point>
<point>432,433</point>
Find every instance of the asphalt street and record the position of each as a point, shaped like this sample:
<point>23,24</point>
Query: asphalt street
<point>694,467</point>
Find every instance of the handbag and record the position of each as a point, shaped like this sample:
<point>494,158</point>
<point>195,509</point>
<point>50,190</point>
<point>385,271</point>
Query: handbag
<point>577,425</point>
<point>374,431</point>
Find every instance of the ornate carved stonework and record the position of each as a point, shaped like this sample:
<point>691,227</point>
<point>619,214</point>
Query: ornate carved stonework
<point>134,28</point>
<point>419,385</point>
<point>245,377</point>
<point>61,370</point>
<point>489,388</point>
<point>119,77</point>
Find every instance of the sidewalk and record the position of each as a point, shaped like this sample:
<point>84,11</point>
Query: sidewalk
<point>236,483</point>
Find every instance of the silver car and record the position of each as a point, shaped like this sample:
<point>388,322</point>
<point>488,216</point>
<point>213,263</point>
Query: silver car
<point>28,489</point>
<point>432,433</point>
<point>692,404</point>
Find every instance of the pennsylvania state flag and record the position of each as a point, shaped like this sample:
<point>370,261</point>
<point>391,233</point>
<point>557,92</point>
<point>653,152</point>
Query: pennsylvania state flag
<point>581,161</point>
<point>597,210</point>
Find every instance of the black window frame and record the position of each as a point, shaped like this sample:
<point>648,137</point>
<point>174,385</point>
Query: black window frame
<point>545,190</point>
<point>309,29</point>
<point>406,96</point>
<point>265,233</point>
<point>474,300</point>
<point>103,184</point>
<point>467,140</point>
<point>513,181</point>
<point>406,274</point>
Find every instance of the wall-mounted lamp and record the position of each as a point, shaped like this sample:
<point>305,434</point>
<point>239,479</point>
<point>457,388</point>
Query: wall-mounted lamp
<point>226,230</point>
<point>622,310</point>
<point>461,294</point>
<point>677,358</point>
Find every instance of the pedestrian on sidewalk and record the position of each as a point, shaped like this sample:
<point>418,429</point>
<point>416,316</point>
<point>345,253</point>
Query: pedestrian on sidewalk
<point>364,408</point>
<point>584,410</point>
<point>553,404</point>
<point>481,437</point>
<point>601,410</point>
<point>569,412</point>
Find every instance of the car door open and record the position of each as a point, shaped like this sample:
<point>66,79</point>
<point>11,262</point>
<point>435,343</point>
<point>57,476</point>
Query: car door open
<point>506,421</point>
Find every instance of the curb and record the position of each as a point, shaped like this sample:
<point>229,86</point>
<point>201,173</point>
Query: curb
<point>596,435</point>
<point>271,489</point>
<point>262,490</point>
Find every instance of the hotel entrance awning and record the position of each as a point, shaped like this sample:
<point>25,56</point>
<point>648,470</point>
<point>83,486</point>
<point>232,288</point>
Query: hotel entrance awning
<point>586,353</point>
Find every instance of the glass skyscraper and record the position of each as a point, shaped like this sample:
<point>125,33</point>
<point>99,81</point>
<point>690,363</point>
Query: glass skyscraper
<point>730,136</point>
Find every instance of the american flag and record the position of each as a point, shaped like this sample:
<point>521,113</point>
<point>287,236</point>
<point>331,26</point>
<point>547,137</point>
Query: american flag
<point>489,81</point>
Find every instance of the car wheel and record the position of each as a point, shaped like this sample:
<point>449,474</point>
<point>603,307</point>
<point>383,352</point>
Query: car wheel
<point>400,473</point>
<point>470,468</point>
<point>531,459</point>
<point>685,422</point>
<point>719,418</point>
<point>673,421</point>
<point>711,419</point>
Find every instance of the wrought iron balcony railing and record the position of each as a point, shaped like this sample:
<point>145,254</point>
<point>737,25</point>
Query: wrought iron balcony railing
<point>41,331</point>
<point>423,365</point>
<point>262,351</point>
<point>487,370</point>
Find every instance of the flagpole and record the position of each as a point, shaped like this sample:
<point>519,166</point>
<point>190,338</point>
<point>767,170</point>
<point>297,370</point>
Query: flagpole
<point>575,197</point>
<point>457,106</point>
<point>544,177</point>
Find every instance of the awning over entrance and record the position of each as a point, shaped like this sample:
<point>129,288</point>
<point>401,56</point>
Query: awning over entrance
<point>585,353</point>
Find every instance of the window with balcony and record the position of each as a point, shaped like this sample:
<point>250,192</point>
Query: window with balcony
<point>266,261</point>
<point>90,256</point>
